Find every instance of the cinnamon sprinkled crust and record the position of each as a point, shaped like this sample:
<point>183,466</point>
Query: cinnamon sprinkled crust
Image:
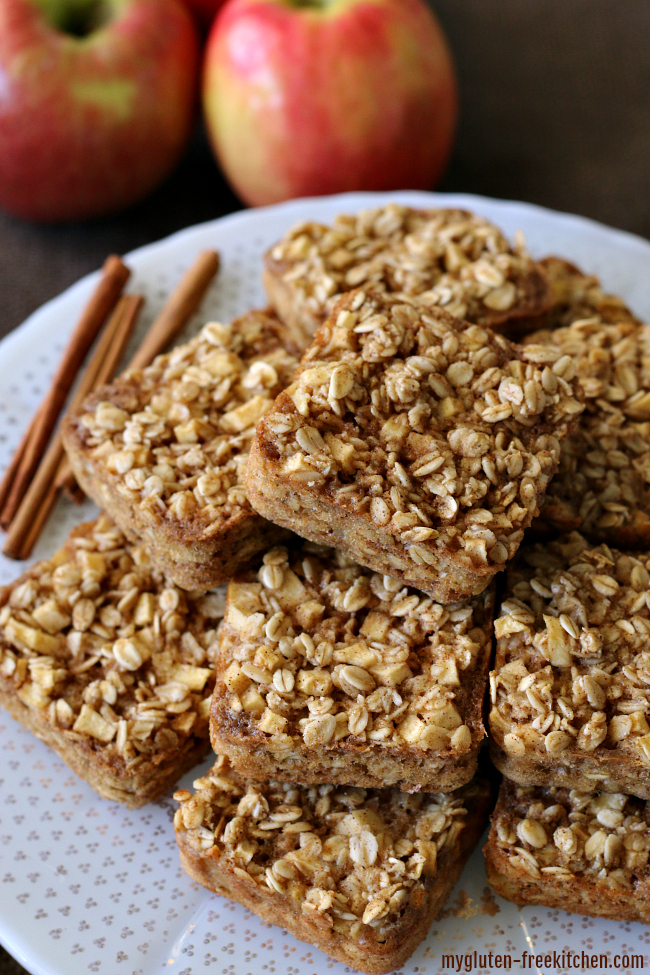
<point>451,259</point>
<point>602,486</point>
<point>327,672</point>
<point>110,664</point>
<point>163,449</point>
<point>418,444</point>
<point>570,689</point>
<point>579,851</point>
<point>358,873</point>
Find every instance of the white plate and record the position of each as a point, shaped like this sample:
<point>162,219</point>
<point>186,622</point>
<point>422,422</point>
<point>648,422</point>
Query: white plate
<point>85,885</point>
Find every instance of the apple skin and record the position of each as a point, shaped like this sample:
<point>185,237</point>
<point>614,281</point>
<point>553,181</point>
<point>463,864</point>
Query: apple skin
<point>91,125</point>
<point>308,100</point>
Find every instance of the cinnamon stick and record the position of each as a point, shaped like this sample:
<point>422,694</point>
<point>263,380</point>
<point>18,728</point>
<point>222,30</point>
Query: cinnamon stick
<point>37,503</point>
<point>34,499</point>
<point>126,315</point>
<point>12,470</point>
<point>114,277</point>
<point>179,308</point>
<point>38,523</point>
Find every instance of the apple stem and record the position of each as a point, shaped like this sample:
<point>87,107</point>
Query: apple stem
<point>316,4</point>
<point>76,17</point>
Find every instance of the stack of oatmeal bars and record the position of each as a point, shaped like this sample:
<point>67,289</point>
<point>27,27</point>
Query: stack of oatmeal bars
<point>422,407</point>
<point>570,687</point>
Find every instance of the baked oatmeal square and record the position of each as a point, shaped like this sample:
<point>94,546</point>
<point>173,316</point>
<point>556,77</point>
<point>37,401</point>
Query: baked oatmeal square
<point>110,664</point>
<point>327,672</point>
<point>450,258</point>
<point>163,449</point>
<point>602,487</point>
<point>570,691</point>
<point>359,873</point>
<point>585,852</point>
<point>418,444</point>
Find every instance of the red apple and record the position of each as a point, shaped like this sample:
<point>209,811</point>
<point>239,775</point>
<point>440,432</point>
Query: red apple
<point>204,9</point>
<point>97,101</point>
<point>310,97</point>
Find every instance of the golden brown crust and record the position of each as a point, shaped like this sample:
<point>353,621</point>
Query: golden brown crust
<point>604,770</point>
<point>163,449</point>
<point>569,698</point>
<point>300,321</point>
<point>419,445</point>
<point>579,852</point>
<point>451,258</point>
<point>327,672</point>
<point>298,886</point>
<point>311,516</point>
<point>192,565</point>
<point>577,295</point>
<point>110,777</point>
<point>358,764</point>
<point>105,661</point>
<point>367,954</point>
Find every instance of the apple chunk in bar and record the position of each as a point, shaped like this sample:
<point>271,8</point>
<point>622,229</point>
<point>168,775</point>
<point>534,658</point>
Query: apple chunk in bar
<point>109,664</point>
<point>327,672</point>
<point>450,259</point>
<point>359,873</point>
<point>570,691</point>
<point>585,852</point>
<point>163,449</point>
<point>418,444</point>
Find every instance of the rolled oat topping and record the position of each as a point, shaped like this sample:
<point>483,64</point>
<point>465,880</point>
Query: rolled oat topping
<point>177,434</point>
<point>557,833</point>
<point>109,650</point>
<point>438,432</point>
<point>319,652</point>
<point>353,856</point>
<point>603,481</point>
<point>450,258</point>
<point>573,666</point>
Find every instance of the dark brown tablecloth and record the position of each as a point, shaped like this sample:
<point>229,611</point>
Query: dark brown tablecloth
<point>555,110</point>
